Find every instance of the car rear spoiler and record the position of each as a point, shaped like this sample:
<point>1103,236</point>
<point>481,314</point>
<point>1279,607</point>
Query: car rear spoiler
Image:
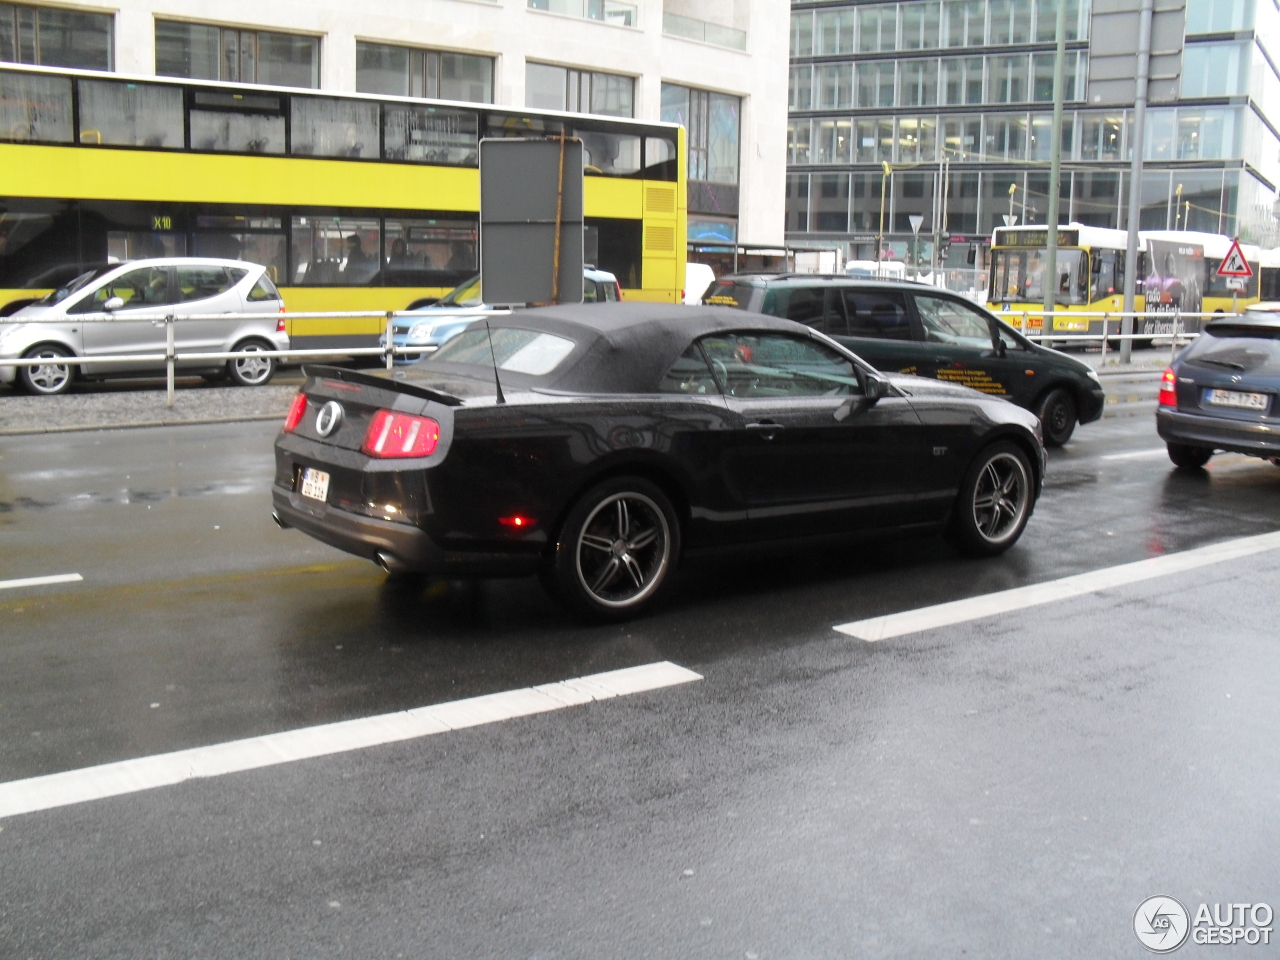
<point>386,383</point>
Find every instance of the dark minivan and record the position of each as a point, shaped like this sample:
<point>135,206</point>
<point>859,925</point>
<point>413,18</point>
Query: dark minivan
<point>912,328</point>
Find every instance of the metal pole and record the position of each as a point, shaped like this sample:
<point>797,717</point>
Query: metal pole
<point>1135,180</point>
<point>391,343</point>
<point>1055,169</point>
<point>884,177</point>
<point>168,360</point>
<point>555,256</point>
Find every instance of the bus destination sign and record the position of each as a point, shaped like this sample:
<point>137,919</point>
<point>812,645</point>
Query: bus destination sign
<point>1035,238</point>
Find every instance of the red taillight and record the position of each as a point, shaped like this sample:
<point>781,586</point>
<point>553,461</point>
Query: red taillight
<point>1168,389</point>
<point>280,325</point>
<point>296,411</point>
<point>517,522</point>
<point>392,434</point>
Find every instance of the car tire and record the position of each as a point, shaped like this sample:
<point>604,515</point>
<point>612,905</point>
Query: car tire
<point>49,379</point>
<point>1188,457</point>
<point>994,501</point>
<point>615,549</point>
<point>251,371</point>
<point>1057,414</point>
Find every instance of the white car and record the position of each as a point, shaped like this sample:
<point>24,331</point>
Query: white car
<point>130,301</point>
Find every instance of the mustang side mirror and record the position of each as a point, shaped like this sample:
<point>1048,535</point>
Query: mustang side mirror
<point>115,303</point>
<point>874,387</point>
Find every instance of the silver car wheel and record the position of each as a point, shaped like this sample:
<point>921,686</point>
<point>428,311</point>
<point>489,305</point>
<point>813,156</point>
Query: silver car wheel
<point>1001,497</point>
<point>623,550</point>
<point>48,377</point>
<point>253,371</point>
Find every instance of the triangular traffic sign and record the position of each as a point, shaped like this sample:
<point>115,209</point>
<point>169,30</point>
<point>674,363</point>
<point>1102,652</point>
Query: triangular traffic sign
<point>1234,264</point>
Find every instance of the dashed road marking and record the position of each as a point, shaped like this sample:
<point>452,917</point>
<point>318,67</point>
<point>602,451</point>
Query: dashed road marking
<point>41,581</point>
<point>147,773</point>
<point>992,604</point>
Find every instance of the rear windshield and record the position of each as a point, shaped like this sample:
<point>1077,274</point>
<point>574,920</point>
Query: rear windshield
<point>1234,330</point>
<point>464,295</point>
<point>513,349</point>
<point>726,293</point>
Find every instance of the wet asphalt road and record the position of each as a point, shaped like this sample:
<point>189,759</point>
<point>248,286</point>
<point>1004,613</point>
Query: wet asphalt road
<point>1009,787</point>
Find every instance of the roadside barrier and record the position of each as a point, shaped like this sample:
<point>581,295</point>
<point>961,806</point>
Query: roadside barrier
<point>388,351</point>
<point>172,357</point>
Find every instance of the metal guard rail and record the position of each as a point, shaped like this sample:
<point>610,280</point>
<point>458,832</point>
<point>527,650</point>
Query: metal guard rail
<point>171,357</point>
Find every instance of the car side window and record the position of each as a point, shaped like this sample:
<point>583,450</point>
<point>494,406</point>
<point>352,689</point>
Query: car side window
<point>949,321</point>
<point>805,305</point>
<point>610,291</point>
<point>690,375</point>
<point>589,294</point>
<point>143,287</point>
<point>264,289</point>
<point>760,365</point>
<point>880,315</point>
<point>201,283</point>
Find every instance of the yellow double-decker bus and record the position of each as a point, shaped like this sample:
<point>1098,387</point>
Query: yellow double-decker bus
<point>1177,273</point>
<point>353,202</point>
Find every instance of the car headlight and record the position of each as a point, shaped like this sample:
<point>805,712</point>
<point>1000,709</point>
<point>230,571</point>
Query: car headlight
<point>421,330</point>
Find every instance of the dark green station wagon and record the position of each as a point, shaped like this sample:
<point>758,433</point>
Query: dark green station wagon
<point>917,329</point>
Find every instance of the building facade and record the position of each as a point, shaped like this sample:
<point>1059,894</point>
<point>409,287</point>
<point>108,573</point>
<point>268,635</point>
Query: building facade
<point>717,66</point>
<point>956,96</point>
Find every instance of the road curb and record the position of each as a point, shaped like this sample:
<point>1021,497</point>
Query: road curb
<point>138,424</point>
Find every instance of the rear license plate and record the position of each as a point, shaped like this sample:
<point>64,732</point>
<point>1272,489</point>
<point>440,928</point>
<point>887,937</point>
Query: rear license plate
<point>1234,398</point>
<point>315,484</point>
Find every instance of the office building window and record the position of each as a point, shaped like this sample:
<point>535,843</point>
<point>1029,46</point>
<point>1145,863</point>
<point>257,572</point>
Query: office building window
<point>435,74</point>
<point>962,80</point>
<point>835,85</point>
<point>1011,22</point>
<point>797,202</point>
<point>878,28</point>
<point>798,141</point>
<point>918,84</point>
<point>712,122</point>
<point>875,85</point>
<point>204,52</point>
<point>1215,69</point>
<point>549,87</point>
<point>835,32</point>
<point>965,23</point>
<point>1219,16</point>
<point>800,88</point>
<point>921,25</point>
<point>1009,80</point>
<point>54,37</point>
<point>802,34</point>
<point>835,138</point>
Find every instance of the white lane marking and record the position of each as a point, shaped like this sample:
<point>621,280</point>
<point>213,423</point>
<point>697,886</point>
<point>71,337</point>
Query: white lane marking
<point>146,773</point>
<point>41,581</point>
<point>1137,454</point>
<point>991,604</point>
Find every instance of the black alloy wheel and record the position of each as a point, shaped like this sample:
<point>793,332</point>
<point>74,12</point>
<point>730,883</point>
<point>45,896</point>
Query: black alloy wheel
<point>615,549</point>
<point>251,371</point>
<point>1057,414</point>
<point>994,502</point>
<point>1188,457</point>
<point>47,379</point>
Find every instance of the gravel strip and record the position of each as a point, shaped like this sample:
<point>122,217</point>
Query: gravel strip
<point>140,408</point>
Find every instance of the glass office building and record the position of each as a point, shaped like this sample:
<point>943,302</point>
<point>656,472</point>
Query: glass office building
<point>966,86</point>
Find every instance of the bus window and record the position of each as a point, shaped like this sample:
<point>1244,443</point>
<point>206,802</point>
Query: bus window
<point>267,249</point>
<point>131,114</point>
<point>1019,276</point>
<point>431,135</point>
<point>325,127</point>
<point>1106,278</point>
<point>610,154</point>
<point>428,253</point>
<point>334,251</point>
<point>35,108</point>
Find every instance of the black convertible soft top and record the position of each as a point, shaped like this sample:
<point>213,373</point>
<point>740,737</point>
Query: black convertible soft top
<point>620,347</point>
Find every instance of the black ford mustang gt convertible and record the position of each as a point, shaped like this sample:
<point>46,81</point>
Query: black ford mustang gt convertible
<point>597,444</point>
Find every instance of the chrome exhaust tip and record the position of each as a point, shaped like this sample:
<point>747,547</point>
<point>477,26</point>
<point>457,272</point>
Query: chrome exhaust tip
<point>389,562</point>
<point>279,523</point>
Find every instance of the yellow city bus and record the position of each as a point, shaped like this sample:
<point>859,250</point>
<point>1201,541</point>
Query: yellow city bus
<point>353,202</point>
<point>1177,273</point>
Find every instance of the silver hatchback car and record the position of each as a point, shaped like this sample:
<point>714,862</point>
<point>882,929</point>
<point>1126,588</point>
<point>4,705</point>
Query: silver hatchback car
<point>129,302</point>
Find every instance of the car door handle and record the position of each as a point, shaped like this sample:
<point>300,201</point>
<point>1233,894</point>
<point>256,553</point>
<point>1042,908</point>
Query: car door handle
<point>766,428</point>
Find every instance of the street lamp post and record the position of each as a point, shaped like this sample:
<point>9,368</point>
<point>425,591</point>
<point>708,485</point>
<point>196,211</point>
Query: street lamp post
<point>1055,169</point>
<point>884,179</point>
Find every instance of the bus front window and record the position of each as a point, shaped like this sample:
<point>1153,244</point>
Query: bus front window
<point>1019,276</point>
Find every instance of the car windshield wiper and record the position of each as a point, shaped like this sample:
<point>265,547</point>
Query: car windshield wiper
<point>1230,364</point>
